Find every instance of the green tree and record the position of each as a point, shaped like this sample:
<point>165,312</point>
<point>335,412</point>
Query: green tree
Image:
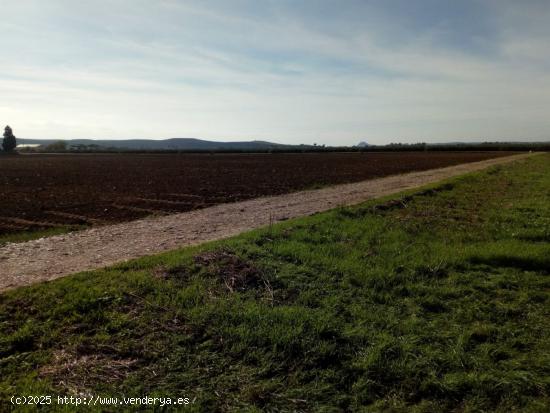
<point>9,142</point>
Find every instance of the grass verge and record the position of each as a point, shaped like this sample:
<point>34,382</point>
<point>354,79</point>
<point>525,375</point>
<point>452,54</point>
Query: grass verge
<point>434,300</point>
<point>31,235</point>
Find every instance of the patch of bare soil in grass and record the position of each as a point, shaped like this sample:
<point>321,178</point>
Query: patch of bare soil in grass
<point>236,274</point>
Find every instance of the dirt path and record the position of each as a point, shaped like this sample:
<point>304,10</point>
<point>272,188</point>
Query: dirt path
<point>57,256</point>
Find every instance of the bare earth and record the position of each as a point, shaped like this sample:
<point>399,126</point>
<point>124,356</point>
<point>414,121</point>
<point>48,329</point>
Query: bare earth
<point>58,256</point>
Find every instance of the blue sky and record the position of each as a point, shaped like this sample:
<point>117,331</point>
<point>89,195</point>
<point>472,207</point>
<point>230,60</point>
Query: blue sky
<point>331,72</point>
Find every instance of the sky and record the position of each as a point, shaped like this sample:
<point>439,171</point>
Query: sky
<point>289,71</point>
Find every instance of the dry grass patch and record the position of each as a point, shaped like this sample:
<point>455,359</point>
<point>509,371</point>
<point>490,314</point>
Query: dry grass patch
<point>77,374</point>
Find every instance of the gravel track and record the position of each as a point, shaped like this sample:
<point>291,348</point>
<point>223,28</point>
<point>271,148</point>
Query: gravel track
<point>58,256</point>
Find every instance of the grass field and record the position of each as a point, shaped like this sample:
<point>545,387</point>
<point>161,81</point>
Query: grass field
<point>430,301</point>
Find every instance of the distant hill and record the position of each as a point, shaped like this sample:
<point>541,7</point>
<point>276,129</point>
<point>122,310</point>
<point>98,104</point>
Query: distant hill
<point>191,144</point>
<point>164,144</point>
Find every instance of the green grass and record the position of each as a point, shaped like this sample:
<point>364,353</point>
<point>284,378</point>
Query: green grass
<point>437,302</point>
<point>30,235</point>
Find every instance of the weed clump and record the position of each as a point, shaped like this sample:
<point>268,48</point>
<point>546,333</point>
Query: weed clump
<point>236,274</point>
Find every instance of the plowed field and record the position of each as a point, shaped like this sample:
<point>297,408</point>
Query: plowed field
<point>48,191</point>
